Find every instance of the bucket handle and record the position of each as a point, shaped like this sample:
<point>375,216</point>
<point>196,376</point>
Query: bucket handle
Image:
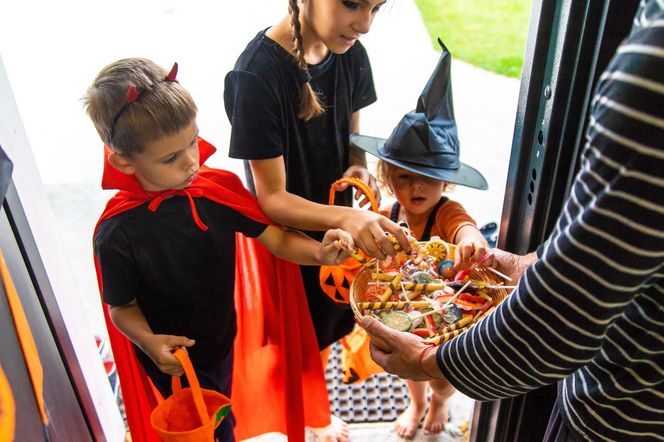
<point>358,183</point>
<point>197,394</point>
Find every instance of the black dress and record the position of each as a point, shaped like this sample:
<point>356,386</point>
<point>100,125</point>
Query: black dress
<point>262,99</point>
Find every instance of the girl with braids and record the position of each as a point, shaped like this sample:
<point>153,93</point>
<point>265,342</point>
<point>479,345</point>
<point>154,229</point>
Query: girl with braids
<point>293,98</point>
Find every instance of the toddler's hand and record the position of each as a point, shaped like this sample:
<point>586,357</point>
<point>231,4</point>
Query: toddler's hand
<point>331,251</point>
<point>160,348</point>
<point>470,251</point>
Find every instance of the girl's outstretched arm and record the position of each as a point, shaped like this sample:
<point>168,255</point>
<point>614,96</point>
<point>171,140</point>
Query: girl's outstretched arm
<point>367,228</point>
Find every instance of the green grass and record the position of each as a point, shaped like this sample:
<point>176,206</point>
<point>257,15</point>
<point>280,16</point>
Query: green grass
<point>490,34</point>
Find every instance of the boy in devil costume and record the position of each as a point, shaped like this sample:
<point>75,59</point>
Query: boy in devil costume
<point>165,253</point>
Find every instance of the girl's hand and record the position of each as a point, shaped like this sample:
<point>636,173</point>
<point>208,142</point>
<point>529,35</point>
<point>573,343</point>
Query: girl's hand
<point>160,348</point>
<point>470,249</point>
<point>369,233</point>
<point>362,173</point>
<point>331,252</point>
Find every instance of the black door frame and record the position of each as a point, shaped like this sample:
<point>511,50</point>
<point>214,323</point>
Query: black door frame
<point>570,43</point>
<point>68,402</point>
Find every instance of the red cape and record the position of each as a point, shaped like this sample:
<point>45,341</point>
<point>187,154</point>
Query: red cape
<point>278,381</point>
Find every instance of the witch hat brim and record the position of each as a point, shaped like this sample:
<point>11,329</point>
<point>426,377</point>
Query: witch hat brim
<point>425,141</point>
<point>465,175</point>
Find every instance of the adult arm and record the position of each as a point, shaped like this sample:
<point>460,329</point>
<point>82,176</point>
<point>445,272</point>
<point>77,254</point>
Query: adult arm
<point>607,247</point>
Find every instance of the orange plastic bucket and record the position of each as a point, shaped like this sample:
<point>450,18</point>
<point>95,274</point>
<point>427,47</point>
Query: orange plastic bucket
<point>190,414</point>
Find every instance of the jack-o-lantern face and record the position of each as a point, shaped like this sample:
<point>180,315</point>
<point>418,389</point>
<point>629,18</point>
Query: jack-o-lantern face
<point>335,280</point>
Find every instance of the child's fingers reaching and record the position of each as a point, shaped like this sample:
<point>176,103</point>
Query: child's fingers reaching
<point>398,232</point>
<point>345,241</point>
<point>479,253</point>
<point>487,260</point>
<point>463,255</point>
<point>471,252</point>
<point>336,246</point>
<point>374,243</point>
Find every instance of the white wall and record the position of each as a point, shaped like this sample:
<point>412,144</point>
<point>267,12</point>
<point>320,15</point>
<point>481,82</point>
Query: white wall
<point>42,224</point>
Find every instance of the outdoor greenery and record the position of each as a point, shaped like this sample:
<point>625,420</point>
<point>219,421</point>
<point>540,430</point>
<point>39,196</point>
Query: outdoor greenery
<point>490,34</point>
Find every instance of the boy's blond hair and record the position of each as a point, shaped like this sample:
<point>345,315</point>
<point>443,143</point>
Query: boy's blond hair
<point>383,170</point>
<point>162,108</point>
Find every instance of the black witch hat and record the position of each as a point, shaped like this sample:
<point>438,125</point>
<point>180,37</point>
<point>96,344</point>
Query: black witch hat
<point>425,141</point>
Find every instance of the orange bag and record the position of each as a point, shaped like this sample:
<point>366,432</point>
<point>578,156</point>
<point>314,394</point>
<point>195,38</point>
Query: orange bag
<point>335,280</point>
<point>7,410</point>
<point>190,414</point>
<point>356,362</point>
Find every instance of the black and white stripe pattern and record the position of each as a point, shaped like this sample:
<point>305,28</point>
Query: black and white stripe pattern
<point>590,312</point>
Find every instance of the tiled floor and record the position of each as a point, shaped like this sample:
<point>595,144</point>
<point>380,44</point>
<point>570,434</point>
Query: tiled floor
<point>460,409</point>
<point>371,407</point>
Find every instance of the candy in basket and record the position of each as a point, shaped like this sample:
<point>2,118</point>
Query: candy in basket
<point>419,293</point>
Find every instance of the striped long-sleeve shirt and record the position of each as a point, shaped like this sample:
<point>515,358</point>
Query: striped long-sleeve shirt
<point>590,313</point>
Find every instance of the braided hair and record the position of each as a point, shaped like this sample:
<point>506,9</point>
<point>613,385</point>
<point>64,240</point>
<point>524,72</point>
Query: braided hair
<point>310,103</point>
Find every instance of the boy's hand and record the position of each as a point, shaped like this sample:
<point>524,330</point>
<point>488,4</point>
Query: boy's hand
<point>160,348</point>
<point>331,252</point>
<point>471,248</point>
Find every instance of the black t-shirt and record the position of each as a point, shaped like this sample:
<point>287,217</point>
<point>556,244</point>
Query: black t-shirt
<point>182,277</point>
<point>262,96</point>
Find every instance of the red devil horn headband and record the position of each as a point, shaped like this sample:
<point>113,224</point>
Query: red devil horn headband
<point>173,73</point>
<point>133,93</point>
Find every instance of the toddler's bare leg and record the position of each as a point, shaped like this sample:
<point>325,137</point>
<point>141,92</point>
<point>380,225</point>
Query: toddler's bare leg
<point>406,424</point>
<point>436,417</point>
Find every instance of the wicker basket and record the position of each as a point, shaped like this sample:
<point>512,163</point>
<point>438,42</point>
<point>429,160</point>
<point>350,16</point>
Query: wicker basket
<point>358,289</point>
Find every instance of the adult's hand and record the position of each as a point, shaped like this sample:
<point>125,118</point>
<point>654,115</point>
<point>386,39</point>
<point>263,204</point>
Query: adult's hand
<point>368,230</point>
<point>511,264</point>
<point>399,352</point>
<point>363,174</point>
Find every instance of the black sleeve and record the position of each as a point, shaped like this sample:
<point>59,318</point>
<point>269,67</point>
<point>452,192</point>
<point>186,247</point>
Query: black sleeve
<point>607,247</point>
<point>364,92</point>
<point>228,219</point>
<point>247,226</point>
<point>118,266</point>
<point>255,116</point>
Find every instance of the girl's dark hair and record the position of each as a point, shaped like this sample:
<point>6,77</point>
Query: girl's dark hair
<point>310,104</point>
